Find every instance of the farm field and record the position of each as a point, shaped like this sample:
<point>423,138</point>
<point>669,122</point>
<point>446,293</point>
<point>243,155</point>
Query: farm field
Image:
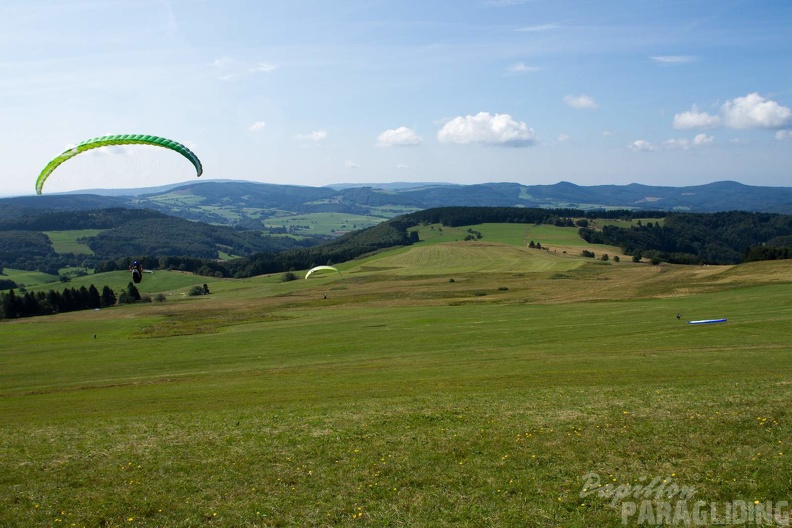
<point>67,241</point>
<point>323,223</point>
<point>474,383</point>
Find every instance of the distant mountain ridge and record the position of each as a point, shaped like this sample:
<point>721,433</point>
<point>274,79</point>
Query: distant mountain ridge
<point>241,201</point>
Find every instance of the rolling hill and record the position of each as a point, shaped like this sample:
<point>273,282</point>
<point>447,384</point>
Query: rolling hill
<point>252,204</point>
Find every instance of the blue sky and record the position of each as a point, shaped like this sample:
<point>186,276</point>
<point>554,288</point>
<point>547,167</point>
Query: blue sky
<point>325,91</point>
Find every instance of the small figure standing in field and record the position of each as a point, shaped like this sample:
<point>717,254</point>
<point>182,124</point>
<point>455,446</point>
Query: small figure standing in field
<point>679,316</point>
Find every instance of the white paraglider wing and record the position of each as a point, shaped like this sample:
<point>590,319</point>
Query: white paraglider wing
<point>321,269</point>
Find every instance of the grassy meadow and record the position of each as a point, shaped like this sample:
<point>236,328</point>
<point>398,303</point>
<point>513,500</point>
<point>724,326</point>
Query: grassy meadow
<point>323,223</point>
<point>69,241</point>
<point>445,384</point>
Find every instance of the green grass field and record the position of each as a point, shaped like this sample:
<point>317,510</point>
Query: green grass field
<point>323,223</point>
<point>28,278</point>
<point>67,241</point>
<point>403,398</point>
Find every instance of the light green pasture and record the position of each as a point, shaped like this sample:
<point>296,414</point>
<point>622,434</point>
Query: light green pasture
<point>28,278</point>
<point>66,241</point>
<point>324,223</point>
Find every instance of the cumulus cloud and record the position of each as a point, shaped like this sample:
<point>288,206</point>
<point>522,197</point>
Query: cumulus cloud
<point>701,140</point>
<point>783,134</point>
<point>693,119</point>
<point>754,111</point>
<point>316,135</point>
<point>349,164</point>
<point>257,126</point>
<point>751,111</point>
<point>580,101</point>
<point>486,129</point>
<point>398,137</point>
<point>641,145</point>
<point>563,138</point>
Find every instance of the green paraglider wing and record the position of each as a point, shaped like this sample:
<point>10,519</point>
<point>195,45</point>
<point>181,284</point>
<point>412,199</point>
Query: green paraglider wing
<point>119,139</point>
<point>321,268</point>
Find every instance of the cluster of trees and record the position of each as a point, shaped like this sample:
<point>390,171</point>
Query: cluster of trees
<point>473,235</point>
<point>29,304</point>
<point>688,238</point>
<point>460,216</point>
<point>72,220</point>
<point>768,253</point>
<point>45,303</point>
<point>28,250</point>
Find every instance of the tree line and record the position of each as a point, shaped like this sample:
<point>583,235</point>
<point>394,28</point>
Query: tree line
<point>698,238</point>
<point>30,304</point>
<point>463,215</point>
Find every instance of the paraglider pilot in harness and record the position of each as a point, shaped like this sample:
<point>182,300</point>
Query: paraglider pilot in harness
<point>137,271</point>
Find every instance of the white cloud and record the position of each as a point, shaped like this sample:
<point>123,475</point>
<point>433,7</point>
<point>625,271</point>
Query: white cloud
<point>257,126</point>
<point>751,111</point>
<point>754,111</point>
<point>401,137</point>
<point>316,135</point>
<point>701,140</point>
<point>349,164</point>
<point>486,129</point>
<point>563,137</point>
<point>580,101</point>
<point>693,119</point>
<point>783,134</point>
<point>673,59</point>
<point>521,67</point>
<point>641,145</point>
<point>402,166</point>
<point>539,27</point>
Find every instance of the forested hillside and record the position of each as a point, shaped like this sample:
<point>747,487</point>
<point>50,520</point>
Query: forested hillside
<point>127,233</point>
<point>718,238</point>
